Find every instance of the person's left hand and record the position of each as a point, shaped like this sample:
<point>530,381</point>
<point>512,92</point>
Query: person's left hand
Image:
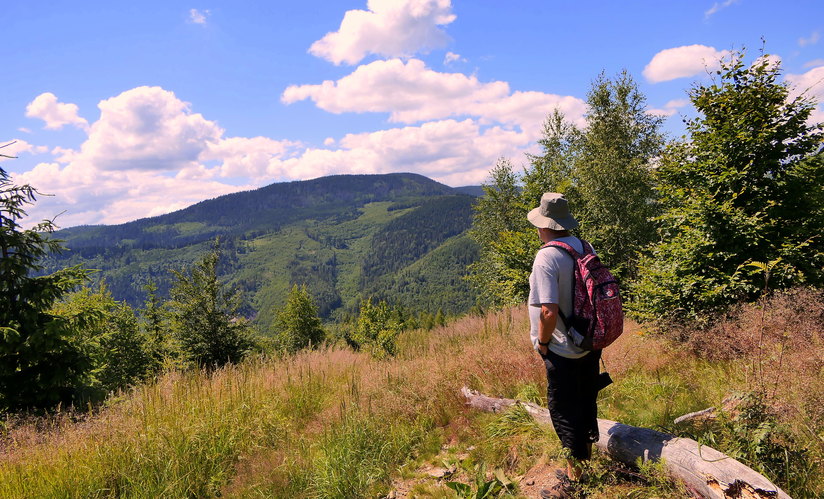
<point>543,349</point>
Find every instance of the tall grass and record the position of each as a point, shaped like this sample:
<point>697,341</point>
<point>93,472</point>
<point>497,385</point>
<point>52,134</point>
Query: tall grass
<point>336,423</point>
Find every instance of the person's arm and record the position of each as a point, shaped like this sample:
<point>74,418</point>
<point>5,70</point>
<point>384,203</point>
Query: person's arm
<point>549,316</point>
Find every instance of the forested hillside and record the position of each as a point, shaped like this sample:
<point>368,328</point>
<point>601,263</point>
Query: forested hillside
<point>345,237</point>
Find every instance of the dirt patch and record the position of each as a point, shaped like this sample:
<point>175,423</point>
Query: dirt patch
<point>540,476</point>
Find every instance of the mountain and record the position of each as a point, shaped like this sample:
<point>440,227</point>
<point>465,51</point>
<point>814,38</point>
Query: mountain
<point>400,237</point>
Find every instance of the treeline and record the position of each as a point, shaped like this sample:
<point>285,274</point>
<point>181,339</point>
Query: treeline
<point>690,225</point>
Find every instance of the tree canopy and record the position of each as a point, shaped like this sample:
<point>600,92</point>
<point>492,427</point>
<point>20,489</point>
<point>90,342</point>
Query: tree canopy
<point>743,186</point>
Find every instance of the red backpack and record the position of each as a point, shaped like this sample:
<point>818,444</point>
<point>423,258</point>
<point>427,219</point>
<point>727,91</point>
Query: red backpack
<point>596,305</point>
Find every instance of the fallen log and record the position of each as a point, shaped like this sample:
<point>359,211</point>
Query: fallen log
<point>703,469</point>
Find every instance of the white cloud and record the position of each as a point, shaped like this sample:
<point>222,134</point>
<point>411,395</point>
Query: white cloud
<point>198,16</point>
<point>718,6</point>
<point>451,57</point>
<point>810,40</point>
<point>247,157</point>
<point>680,62</point>
<point>392,28</point>
<point>811,84</point>
<point>147,155</point>
<point>16,147</point>
<point>412,93</point>
<point>450,151</point>
<point>814,63</point>
<point>91,196</point>
<point>56,114</point>
<point>23,129</point>
<point>670,108</point>
<point>147,128</point>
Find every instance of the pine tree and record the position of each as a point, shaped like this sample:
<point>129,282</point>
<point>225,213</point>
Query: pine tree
<point>40,365</point>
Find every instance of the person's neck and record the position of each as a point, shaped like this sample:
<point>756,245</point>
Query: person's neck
<point>551,235</point>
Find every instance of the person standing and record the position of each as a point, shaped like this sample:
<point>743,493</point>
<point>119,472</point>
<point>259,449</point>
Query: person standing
<point>572,373</point>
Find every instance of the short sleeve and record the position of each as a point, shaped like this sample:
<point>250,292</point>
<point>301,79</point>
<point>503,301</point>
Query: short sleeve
<point>544,283</point>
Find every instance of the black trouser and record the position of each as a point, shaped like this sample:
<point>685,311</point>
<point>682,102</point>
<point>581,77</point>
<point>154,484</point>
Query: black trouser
<point>572,392</point>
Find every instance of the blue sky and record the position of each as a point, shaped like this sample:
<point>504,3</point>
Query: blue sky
<point>122,110</point>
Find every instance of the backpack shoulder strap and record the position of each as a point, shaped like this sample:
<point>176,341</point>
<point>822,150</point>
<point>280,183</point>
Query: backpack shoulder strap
<point>564,246</point>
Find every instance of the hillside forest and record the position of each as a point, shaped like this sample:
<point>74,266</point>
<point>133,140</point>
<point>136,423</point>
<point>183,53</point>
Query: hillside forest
<point>309,339</point>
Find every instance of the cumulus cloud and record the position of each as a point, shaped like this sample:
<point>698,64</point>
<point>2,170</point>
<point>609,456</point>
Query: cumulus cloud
<point>147,128</point>
<point>85,195</point>
<point>56,114</point>
<point>16,147</point>
<point>147,154</point>
<point>680,62</point>
<point>391,28</point>
<point>450,151</point>
<point>810,84</point>
<point>810,40</point>
<point>410,93</point>
<point>718,6</point>
<point>198,16</point>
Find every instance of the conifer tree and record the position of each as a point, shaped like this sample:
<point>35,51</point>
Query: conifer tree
<point>40,365</point>
<point>204,317</point>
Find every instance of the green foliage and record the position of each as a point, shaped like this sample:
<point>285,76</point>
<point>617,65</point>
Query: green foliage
<point>743,186</point>
<point>204,318</point>
<point>354,456</point>
<point>507,242</point>
<point>40,364</point>
<point>752,434</point>
<point>613,193</point>
<point>109,336</point>
<point>157,329</point>
<point>377,329</point>
<point>498,486</point>
<point>603,169</point>
<point>298,326</point>
<point>344,237</point>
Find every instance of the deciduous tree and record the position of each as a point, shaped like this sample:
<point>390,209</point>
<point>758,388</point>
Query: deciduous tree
<point>298,326</point>
<point>744,185</point>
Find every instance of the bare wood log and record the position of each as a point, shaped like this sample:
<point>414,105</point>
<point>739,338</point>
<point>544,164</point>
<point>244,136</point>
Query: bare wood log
<point>731,405</point>
<point>705,414</point>
<point>703,469</point>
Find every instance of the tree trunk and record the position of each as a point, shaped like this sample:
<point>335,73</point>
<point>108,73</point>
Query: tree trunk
<point>703,469</point>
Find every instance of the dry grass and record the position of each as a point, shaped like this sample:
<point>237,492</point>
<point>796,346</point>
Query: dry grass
<point>324,420</point>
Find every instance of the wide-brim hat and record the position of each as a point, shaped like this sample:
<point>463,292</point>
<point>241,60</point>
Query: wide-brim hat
<point>553,213</point>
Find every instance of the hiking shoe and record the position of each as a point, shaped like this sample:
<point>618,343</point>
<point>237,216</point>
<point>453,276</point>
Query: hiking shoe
<point>563,488</point>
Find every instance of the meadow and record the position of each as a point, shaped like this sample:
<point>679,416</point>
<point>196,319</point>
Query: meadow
<point>332,422</point>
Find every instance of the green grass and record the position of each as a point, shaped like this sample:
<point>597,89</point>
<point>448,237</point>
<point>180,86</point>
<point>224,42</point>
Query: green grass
<point>334,423</point>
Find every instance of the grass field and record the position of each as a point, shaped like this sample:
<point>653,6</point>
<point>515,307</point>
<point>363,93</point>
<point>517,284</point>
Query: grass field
<point>337,423</point>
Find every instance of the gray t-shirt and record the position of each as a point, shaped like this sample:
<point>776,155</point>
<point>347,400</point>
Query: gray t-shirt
<point>551,282</point>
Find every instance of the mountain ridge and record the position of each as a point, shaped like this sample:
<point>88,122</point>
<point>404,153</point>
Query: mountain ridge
<point>320,233</point>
